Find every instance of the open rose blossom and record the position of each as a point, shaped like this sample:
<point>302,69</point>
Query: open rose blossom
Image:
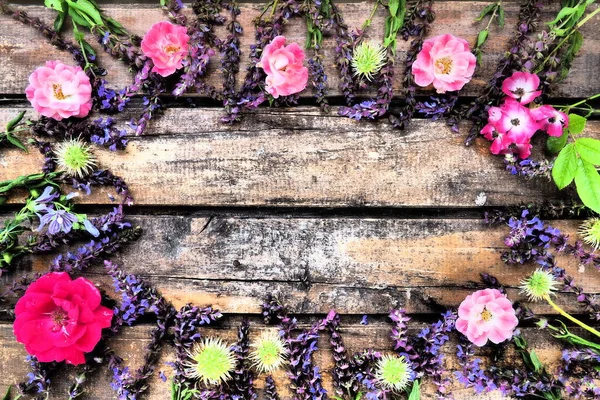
<point>446,62</point>
<point>486,315</point>
<point>167,46</point>
<point>522,86</point>
<point>551,120</point>
<point>59,319</point>
<point>59,91</point>
<point>284,67</point>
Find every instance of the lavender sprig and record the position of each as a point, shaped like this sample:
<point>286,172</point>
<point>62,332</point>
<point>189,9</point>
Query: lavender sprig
<point>242,385</point>
<point>270,389</point>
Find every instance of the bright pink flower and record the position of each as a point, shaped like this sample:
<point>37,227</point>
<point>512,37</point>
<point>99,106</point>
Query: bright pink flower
<point>446,61</point>
<point>283,65</point>
<point>550,120</point>
<point>167,46</point>
<point>522,86</point>
<point>59,319</point>
<point>59,91</point>
<point>486,315</point>
<point>516,121</point>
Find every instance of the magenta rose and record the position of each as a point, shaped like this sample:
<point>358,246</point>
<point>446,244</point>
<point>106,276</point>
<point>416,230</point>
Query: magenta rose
<point>522,86</point>
<point>167,45</point>
<point>59,91</point>
<point>59,319</point>
<point>486,315</point>
<point>284,67</point>
<point>446,62</point>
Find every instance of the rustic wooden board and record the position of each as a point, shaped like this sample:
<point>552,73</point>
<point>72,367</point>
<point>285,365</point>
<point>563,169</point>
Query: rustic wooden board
<point>299,157</point>
<point>21,50</point>
<point>356,265</point>
<point>130,345</point>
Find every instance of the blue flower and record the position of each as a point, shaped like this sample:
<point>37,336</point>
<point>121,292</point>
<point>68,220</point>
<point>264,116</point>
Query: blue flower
<point>57,221</point>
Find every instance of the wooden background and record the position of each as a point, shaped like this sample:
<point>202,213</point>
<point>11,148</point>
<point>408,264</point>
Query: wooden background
<point>324,211</point>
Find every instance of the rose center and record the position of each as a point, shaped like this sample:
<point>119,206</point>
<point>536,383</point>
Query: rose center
<point>515,122</point>
<point>172,49</point>
<point>58,93</point>
<point>552,120</point>
<point>444,65</point>
<point>60,318</point>
<point>519,92</point>
<point>486,315</point>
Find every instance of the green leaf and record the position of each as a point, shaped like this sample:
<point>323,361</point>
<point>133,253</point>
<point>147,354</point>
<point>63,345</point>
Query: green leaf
<point>501,16</point>
<point>488,9</point>
<point>59,21</point>
<point>15,121</point>
<point>535,361</point>
<point>576,124</point>
<point>393,6</point>
<point>54,4</point>
<point>88,9</point>
<point>589,150</point>
<point>555,144</point>
<point>7,395</point>
<point>78,19</point>
<point>587,181</point>
<point>566,11</point>
<point>565,167</point>
<point>15,142</point>
<point>482,37</point>
<point>415,393</point>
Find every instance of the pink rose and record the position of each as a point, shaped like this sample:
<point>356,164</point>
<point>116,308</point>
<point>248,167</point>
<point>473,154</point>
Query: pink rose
<point>550,120</point>
<point>522,86</point>
<point>516,121</point>
<point>59,319</point>
<point>486,315</point>
<point>167,46</point>
<point>446,61</point>
<point>59,91</point>
<point>286,74</point>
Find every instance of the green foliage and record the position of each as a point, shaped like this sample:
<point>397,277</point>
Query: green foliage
<point>565,167</point>
<point>315,35</point>
<point>415,393</point>
<point>178,392</point>
<point>7,395</point>
<point>496,12</point>
<point>568,17</point>
<point>533,364</point>
<point>555,144</point>
<point>562,332</point>
<point>576,124</point>
<point>393,23</point>
<point>8,134</point>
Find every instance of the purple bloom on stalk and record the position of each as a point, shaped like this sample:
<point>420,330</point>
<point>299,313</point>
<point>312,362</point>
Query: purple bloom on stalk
<point>57,221</point>
<point>41,203</point>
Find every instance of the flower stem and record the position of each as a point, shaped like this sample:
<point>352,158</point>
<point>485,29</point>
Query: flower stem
<point>562,42</point>
<point>569,317</point>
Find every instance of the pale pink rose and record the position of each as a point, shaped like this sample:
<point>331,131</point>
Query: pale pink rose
<point>59,91</point>
<point>284,67</point>
<point>522,86</point>
<point>551,120</point>
<point>486,315</point>
<point>167,46</point>
<point>446,62</point>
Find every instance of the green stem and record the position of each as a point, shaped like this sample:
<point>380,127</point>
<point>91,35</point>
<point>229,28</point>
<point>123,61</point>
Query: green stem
<point>368,21</point>
<point>569,317</point>
<point>274,8</point>
<point>585,100</point>
<point>562,42</point>
<point>498,4</point>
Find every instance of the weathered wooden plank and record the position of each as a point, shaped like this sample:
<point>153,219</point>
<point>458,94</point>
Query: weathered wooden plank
<point>131,342</point>
<point>21,50</point>
<point>355,265</point>
<point>299,157</point>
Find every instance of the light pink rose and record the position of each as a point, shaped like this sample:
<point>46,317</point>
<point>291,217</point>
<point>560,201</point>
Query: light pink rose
<point>284,67</point>
<point>486,315</point>
<point>446,62</point>
<point>522,86</point>
<point>59,91</point>
<point>167,46</point>
<point>551,120</point>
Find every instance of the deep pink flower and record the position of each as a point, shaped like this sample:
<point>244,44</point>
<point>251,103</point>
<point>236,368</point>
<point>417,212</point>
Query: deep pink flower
<point>59,319</point>
<point>166,44</point>
<point>516,121</point>
<point>59,91</point>
<point>550,120</point>
<point>522,86</point>
<point>486,315</point>
<point>444,61</point>
<point>284,67</point>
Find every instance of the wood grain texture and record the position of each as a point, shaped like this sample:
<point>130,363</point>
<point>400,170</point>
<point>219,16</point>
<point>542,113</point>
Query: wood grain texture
<point>299,157</point>
<point>356,265</point>
<point>130,345</point>
<point>21,50</point>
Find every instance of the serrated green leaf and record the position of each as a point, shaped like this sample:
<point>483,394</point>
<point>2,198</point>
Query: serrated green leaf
<point>15,121</point>
<point>589,150</point>
<point>54,4</point>
<point>565,11</point>
<point>59,21</point>
<point>482,37</point>
<point>535,361</point>
<point>88,9</point>
<point>565,167</point>
<point>488,9</point>
<point>576,41</point>
<point>555,144</point>
<point>415,392</point>
<point>15,142</point>
<point>576,124</point>
<point>77,18</point>
<point>393,6</point>
<point>587,181</point>
<point>501,16</point>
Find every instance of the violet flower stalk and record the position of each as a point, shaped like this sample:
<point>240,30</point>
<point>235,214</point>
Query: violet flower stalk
<point>343,54</point>
<point>230,60</point>
<point>242,384</point>
<point>270,389</point>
